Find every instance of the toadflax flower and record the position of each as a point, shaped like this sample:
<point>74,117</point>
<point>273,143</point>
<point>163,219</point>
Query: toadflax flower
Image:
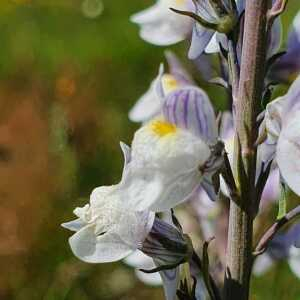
<point>149,105</point>
<point>172,154</point>
<point>281,125</point>
<point>160,26</point>
<point>214,20</point>
<point>106,230</point>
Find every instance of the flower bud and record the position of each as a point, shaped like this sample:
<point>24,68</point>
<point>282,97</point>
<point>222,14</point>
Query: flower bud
<point>227,23</point>
<point>167,245</point>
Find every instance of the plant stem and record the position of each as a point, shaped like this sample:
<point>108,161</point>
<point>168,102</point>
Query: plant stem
<point>250,90</point>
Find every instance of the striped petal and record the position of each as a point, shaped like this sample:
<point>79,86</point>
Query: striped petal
<point>189,108</point>
<point>200,39</point>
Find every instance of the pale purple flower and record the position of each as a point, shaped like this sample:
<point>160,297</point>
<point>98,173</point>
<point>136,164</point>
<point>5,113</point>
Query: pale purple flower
<point>222,22</point>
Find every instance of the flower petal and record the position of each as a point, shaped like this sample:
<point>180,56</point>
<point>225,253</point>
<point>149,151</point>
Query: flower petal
<point>74,225</point>
<point>293,96</point>
<point>226,127</point>
<point>200,38</point>
<point>271,191</point>
<point>147,107</point>
<point>160,26</point>
<point>170,280</point>
<point>98,249</point>
<point>274,116</point>
<point>165,166</point>
<point>152,279</point>
<point>116,240</point>
<point>213,45</point>
<point>163,34</point>
<point>189,108</point>
<point>205,10</point>
<point>288,152</point>
<point>149,15</point>
<point>126,153</point>
<point>240,6</point>
<point>159,190</point>
<point>177,69</point>
<point>139,260</point>
<point>275,38</point>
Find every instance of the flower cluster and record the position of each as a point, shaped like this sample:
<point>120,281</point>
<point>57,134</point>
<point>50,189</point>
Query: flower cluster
<point>184,154</point>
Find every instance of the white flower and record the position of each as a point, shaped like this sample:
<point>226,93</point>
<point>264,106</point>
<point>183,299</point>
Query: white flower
<point>160,26</point>
<point>282,126</point>
<point>106,230</point>
<point>165,166</point>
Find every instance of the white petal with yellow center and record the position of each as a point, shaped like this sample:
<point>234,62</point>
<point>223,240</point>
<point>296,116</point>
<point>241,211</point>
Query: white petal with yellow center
<point>164,169</point>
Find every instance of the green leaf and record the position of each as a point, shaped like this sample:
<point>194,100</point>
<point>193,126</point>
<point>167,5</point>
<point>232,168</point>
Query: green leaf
<point>282,203</point>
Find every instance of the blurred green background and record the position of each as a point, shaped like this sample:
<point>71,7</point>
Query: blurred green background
<point>69,72</point>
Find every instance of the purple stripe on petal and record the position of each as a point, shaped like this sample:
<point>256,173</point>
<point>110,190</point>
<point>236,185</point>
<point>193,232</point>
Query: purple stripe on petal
<point>185,110</point>
<point>174,110</point>
<point>198,114</point>
<point>189,108</point>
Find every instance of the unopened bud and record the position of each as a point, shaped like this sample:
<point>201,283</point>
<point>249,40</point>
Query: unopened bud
<point>227,23</point>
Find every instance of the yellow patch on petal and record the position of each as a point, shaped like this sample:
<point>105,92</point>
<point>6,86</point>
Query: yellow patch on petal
<point>169,83</point>
<point>162,128</point>
<point>179,2</point>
